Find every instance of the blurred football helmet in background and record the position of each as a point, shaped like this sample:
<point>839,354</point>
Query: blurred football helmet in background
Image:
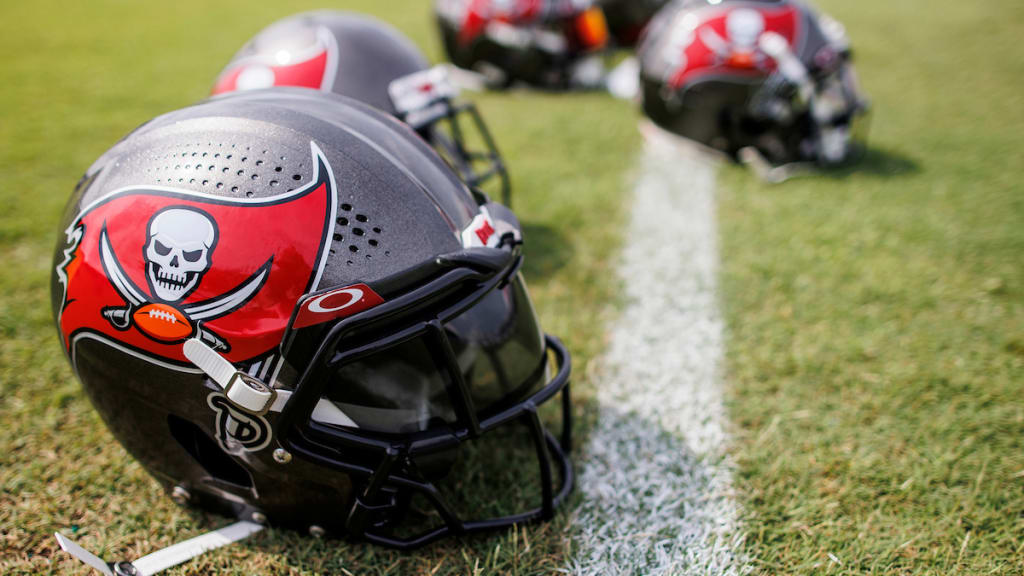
<point>289,310</point>
<point>551,44</point>
<point>627,19</point>
<point>363,58</point>
<point>767,81</point>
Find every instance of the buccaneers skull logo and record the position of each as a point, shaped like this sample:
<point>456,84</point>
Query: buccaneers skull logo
<point>177,255</point>
<point>712,40</point>
<point>178,251</point>
<point>150,267</point>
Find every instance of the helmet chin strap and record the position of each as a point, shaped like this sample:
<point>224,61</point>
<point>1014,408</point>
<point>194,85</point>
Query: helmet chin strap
<point>162,559</point>
<point>251,394</point>
<point>241,389</point>
<point>247,393</point>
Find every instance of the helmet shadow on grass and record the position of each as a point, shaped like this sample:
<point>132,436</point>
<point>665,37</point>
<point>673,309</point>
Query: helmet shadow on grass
<point>496,475</point>
<point>878,162</point>
<point>547,251</point>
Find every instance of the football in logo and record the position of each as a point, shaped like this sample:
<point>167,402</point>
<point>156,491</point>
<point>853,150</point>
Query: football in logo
<point>163,323</point>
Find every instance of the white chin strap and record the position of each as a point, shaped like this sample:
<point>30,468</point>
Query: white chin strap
<point>251,394</point>
<point>162,559</point>
<point>241,389</point>
<point>247,393</point>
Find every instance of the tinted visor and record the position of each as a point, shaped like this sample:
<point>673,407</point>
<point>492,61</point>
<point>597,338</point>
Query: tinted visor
<point>404,388</point>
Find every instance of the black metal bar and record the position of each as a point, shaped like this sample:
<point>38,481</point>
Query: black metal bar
<point>567,419</point>
<point>309,387</point>
<point>540,443</point>
<point>327,445</point>
<point>364,504</point>
<point>458,390</point>
<point>495,156</point>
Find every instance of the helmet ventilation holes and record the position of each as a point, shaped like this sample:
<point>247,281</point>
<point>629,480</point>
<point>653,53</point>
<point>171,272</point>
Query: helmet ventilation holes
<point>360,238</point>
<point>239,173</point>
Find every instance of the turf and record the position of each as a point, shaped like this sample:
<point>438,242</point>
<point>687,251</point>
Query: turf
<point>78,76</point>
<point>877,318</point>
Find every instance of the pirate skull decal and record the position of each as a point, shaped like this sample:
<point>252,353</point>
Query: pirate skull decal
<point>153,268</point>
<point>744,27</point>
<point>178,251</point>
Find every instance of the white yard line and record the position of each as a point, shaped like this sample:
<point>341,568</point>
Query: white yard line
<point>656,482</point>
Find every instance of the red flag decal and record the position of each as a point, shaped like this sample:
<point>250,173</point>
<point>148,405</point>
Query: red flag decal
<point>149,267</point>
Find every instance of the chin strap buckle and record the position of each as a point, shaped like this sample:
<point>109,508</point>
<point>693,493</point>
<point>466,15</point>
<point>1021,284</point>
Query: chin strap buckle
<point>242,390</point>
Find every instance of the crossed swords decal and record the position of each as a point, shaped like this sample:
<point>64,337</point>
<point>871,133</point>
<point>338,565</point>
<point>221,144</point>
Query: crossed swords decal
<point>207,310</point>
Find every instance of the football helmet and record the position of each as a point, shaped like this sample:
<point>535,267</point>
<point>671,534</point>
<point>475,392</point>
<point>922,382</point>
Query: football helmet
<point>363,58</point>
<point>628,18</point>
<point>768,77</point>
<point>289,310</point>
<point>553,44</point>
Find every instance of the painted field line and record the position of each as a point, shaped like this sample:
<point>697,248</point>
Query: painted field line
<point>656,483</point>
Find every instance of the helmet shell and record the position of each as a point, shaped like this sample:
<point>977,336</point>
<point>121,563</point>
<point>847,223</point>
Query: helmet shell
<point>342,52</point>
<point>703,71</point>
<point>363,58</point>
<point>628,18</point>
<point>215,221</point>
<point>537,42</point>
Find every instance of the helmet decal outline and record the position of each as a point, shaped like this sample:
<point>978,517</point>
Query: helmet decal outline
<point>111,251</point>
<point>314,68</point>
<point>717,40</point>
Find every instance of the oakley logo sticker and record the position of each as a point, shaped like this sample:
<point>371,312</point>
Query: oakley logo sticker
<point>336,304</point>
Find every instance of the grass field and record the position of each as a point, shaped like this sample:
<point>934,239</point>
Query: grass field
<point>875,319</point>
<point>81,76</point>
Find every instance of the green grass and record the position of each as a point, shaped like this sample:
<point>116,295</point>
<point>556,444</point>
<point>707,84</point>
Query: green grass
<point>877,319</point>
<point>79,75</point>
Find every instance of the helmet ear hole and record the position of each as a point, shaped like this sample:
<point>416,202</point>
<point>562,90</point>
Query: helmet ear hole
<point>207,453</point>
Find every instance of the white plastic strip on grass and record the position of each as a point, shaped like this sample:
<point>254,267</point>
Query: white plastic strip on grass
<point>656,483</point>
